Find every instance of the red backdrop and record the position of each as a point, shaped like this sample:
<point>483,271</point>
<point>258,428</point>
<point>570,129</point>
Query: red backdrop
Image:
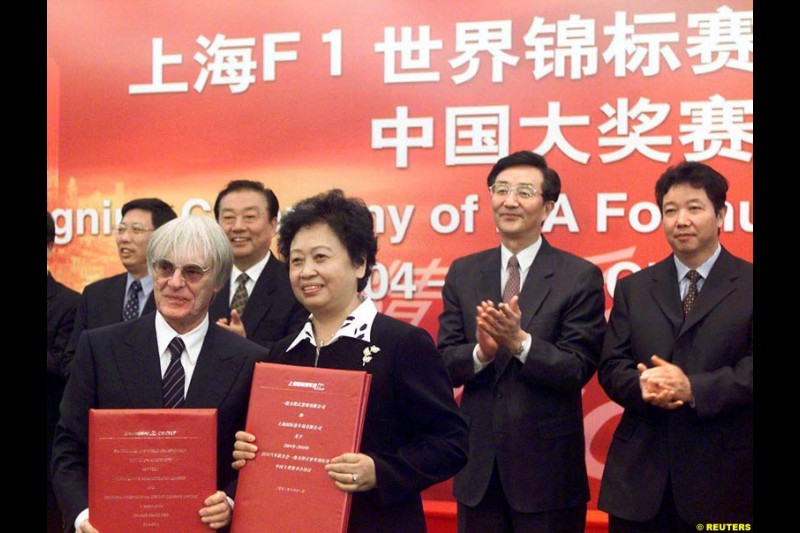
<point>407,105</point>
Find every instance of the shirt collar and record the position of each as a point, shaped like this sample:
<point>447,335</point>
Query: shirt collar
<point>193,339</point>
<point>704,269</point>
<point>253,272</point>
<point>524,256</point>
<point>147,284</point>
<point>358,325</point>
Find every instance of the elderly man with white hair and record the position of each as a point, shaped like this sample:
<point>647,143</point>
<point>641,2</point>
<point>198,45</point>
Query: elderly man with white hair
<point>122,366</point>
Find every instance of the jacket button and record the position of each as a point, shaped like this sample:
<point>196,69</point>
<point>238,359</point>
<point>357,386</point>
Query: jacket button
<point>498,395</point>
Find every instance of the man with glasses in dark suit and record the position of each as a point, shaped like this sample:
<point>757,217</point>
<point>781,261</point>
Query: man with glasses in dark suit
<point>128,295</point>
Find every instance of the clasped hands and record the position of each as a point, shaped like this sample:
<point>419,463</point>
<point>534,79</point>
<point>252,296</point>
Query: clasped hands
<point>350,472</point>
<point>498,326</point>
<point>664,385</point>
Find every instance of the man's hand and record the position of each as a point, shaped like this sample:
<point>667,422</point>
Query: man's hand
<point>664,385</point>
<point>487,346</point>
<point>217,511</point>
<point>502,323</point>
<point>352,472</point>
<point>235,325</point>
<point>243,449</point>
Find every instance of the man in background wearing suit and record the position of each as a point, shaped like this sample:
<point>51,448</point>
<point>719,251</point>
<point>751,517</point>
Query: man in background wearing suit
<point>122,366</point>
<point>61,304</point>
<point>256,301</point>
<point>522,361</point>
<point>678,356</point>
<point>128,295</point>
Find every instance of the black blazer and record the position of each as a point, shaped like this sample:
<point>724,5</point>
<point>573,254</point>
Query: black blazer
<point>413,430</point>
<point>528,418</point>
<point>61,304</point>
<point>117,367</point>
<point>101,305</point>
<point>706,450</point>
<point>272,311</point>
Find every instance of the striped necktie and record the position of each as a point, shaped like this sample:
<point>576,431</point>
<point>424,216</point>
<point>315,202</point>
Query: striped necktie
<point>173,383</point>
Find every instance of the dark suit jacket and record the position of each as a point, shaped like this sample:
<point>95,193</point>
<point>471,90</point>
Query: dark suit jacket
<point>272,311</point>
<point>413,430</point>
<point>101,305</point>
<point>706,450</point>
<point>117,367</point>
<point>527,417</point>
<point>61,304</point>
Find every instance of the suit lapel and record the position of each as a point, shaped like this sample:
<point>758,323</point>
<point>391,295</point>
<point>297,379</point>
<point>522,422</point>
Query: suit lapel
<point>114,300</point>
<point>488,287</point>
<point>260,301</point>
<point>214,374</point>
<point>150,304</point>
<point>666,294</point>
<point>720,283</point>
<point>537,284</point>
<point>139,364</point>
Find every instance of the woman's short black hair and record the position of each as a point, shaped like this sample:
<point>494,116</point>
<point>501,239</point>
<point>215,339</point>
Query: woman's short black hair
<point>350,220</point>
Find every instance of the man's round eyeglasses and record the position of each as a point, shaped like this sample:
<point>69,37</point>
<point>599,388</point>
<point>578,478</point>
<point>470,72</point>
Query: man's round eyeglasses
<point>164,268</point>
<point>136,229</point>
<point>526,192</point>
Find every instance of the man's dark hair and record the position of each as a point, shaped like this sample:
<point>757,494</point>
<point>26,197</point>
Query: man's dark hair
<point>248,185</point>
<point>348,218</point>
<point>551,184</point>
<point>159,210</point>
<point>697,175</point>
<point>51,229</point>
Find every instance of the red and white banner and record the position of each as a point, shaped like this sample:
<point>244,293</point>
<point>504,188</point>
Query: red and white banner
<point>407,105</point>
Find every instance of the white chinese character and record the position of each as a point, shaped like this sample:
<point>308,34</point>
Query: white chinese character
<point>272,55</point>
<point>575,40</point>
<point>720,35</point>
<point>411,311</point>
<point>159,61</point>
<point>554,137</point>
<point>402,140</point>
<point>626,42</point>
<point>487,36</point>
<point>231,63</point>
<point>714,122</point>
<point>414,55</point>
<point>630,138</point>
<point>476,135</point>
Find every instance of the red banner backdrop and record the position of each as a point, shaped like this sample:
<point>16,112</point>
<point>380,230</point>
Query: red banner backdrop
<point>407,105</point>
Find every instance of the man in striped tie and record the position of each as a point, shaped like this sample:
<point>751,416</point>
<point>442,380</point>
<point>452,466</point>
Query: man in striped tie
<point>678,357</point>
<point>521,331</point>
<point>172,358</point>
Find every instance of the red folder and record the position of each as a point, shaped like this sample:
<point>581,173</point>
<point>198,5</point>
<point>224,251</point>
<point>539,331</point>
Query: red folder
<point>302,417</point>
<point>151,469</point>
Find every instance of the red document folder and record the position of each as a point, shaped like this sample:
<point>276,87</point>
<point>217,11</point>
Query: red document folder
<point>151,469</point>
<point>302,417</point>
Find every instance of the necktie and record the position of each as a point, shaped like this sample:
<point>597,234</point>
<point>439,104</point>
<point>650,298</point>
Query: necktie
<point>131,310</point>
<point>172,384</point>
<point>240,296</point>
<point>512,285</point>
<point>691,294</point>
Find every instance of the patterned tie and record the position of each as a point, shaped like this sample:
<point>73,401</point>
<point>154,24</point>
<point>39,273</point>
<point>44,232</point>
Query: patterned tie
<point>172,384</point>
<point>691,294</point>
<point>131,310</point>
<point>240,296</point>
<point>512,285</point>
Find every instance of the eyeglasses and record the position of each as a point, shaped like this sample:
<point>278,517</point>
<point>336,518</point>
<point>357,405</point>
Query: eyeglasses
<point>526,192</point>
<point>136,229</point>
<point>164,268</point>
